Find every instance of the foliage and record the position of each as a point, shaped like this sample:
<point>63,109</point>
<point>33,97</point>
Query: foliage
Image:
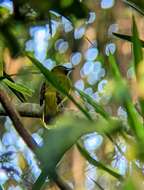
<point>71,128</point>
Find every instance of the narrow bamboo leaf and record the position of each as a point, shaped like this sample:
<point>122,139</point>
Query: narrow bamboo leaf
<point>136,125</point>
<point>99,109</point>
<point>97,163</point>
<point>134,120</point>
<point>18,87</point>
<point>137,50</point>
<point>138,56</point>
<point>19,95</point>
<point>121,91</point>
<point>98,185</point>
<point>114,68</point>
<point>133,117</point>
<point>137,5</point>
<point>50,77</point>
<point>127,38</point>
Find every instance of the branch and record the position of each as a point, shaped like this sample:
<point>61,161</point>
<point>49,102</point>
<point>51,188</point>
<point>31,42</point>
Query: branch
<point>15,117</point>
<point>26,110</point>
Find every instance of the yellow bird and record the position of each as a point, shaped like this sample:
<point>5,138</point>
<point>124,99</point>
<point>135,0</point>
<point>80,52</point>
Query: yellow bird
<point>50,97</point>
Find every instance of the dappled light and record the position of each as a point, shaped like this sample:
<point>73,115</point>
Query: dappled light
<point>71,94</point>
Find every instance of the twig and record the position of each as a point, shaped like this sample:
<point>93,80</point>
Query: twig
<point>26,110</point>
<point>97,184</point>
<point>93,45</point>
<point>15,117</point>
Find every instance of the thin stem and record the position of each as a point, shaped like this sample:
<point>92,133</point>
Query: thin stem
<point>15,117</point>
<point>26,110</point>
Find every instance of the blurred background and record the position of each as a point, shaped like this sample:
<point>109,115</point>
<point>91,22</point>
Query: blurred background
<point>74,34</point>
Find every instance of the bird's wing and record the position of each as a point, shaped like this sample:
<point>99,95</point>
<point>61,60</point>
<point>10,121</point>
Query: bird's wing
<point>42,92</point>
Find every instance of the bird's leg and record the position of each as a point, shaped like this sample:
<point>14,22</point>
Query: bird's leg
<point>43,123</point>
<point>60,105</point>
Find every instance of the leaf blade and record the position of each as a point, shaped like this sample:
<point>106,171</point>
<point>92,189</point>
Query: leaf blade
<point>126,37</point>
<point>138,6</point>
<point>97,163</point>
<point>96,106</point>
<point>18,87</point>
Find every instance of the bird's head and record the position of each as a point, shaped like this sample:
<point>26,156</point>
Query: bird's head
<point>62,69</point>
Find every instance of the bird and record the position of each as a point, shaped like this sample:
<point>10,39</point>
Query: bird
<point>50,97</point>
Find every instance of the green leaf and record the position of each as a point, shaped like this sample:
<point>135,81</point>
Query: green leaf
<point>61,139</point>
<point>52,78</point>
<point>97,163</point>
<point>18,87</point>
<point>134,120</point>
<point>121,92</point>
<point>114,68</point>
<point>138,55</point>
<point>137,50</point>
<point>99,109</point>
<point>133,117</point>
<point>58,140</point>
<point>138,5</point>
<point>56,143</point>
<point>127,37</point>
<point>19,95</point>
<point>135,123</point>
